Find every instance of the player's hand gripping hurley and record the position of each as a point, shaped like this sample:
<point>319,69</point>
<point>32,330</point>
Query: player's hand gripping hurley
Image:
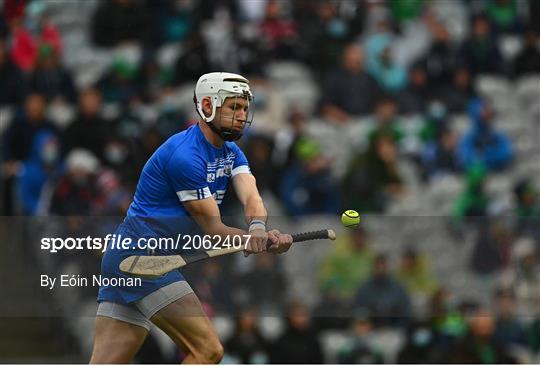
<point>150,266</point>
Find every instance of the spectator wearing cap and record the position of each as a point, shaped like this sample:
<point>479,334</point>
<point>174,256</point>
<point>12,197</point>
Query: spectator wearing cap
<point>484,144</point>
<point>119,83</point>
<point>75,192</point>
<point>383,297</point>
<point>348,91</point>
<point>307,187</point>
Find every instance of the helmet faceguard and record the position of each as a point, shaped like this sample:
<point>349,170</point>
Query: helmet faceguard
<point>218,86</point>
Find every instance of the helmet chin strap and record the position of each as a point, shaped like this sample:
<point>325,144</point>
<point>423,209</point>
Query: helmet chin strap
<point>225,133</point>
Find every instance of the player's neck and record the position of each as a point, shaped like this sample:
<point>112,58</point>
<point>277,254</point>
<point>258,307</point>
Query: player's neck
<point>210,136</point>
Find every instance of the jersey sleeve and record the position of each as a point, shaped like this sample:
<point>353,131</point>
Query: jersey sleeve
<point>240,164</point>
<point>187,174</point>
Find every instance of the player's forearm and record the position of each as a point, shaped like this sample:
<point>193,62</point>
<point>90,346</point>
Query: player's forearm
<point>206,214</point>
<point>220,233</point>
<point>215,226</point>
<point>254,209</point>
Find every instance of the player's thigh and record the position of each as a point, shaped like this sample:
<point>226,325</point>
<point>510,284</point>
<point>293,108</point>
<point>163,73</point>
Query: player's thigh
<point>116,341</point>
<point>120,332</point>
<point>186,323</point>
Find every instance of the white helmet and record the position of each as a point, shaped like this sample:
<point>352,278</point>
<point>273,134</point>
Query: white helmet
<point>219,86</point>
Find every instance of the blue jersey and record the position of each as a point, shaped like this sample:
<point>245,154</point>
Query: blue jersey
<point>186,167</point>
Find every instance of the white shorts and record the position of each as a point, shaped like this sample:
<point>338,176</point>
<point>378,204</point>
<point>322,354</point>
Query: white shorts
<point>140,312</point>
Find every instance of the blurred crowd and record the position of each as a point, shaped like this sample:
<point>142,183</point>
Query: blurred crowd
<point>74,146</point>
